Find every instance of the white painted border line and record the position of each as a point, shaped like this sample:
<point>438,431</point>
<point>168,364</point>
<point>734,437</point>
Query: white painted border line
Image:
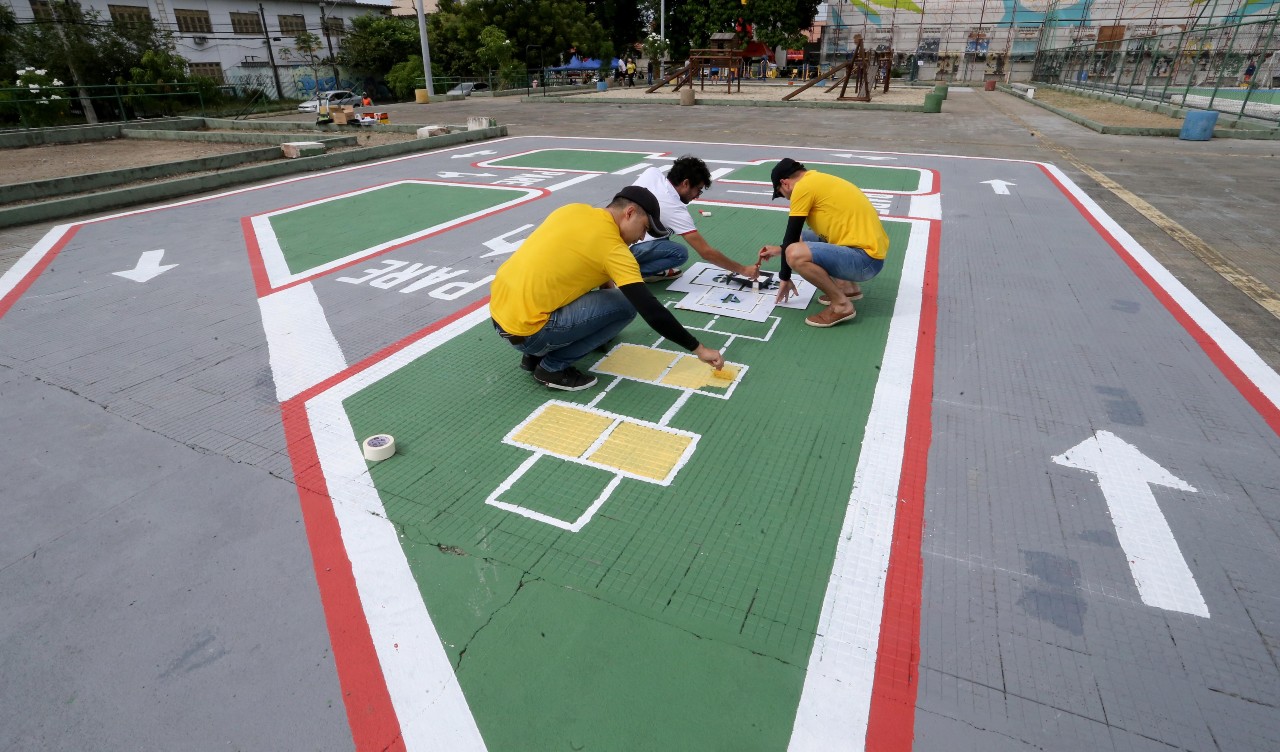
<point>676,357</point>
<point>300,343</point>
<point>14,275</point>
<point>923,186</point>
<point>424,690</point>
<point>273,260</point>
<point>489,163</point>
<point>1246,359</point>
<point>835,702</point>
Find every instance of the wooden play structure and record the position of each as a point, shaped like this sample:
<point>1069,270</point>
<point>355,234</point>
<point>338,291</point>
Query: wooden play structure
<point>866,70</point>
<point>701,63</point>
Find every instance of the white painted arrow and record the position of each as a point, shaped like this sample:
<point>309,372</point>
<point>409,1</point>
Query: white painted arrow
<point>1001,187</point>
<point>474,154</point>
<point>1125,475</point>
<point>864,156</point>
<point>500,246</point>
<point>465,175</point>
<point>148,267</point>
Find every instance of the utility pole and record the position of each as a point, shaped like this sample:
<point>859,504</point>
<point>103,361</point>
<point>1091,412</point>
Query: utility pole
<point>324,26</point>
<point>426,48</point>
<point>266,35</point>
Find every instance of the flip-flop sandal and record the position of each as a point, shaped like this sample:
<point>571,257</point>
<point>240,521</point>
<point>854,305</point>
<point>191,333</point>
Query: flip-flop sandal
<point>823,299</point>
<point>812,320</point>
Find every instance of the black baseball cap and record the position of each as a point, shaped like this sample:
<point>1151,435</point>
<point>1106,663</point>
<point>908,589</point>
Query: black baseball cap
<point>785,168</point>
<point>644,198</point>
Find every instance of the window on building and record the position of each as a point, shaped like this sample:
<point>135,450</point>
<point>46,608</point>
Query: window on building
<point>129,14</point>
<point>292,25</point>
<point>207,70</point>
<point>41,10</point>
<point>193,21</point>
<point>335,25</point>
<point>246,23</point>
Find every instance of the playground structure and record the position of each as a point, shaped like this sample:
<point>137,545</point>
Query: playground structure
<point>858,68</point>
<point>702,62</point>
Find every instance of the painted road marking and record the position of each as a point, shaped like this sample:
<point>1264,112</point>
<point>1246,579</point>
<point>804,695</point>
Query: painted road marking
<point>1001,187</point>
<point>835,705</point>
<point>596,161</point>
<point>300,343</point>
<point>500,246</point>
<point>1126,474</point>
<point>294,245</point>
<point>148,268</point>
<point>876,178</point>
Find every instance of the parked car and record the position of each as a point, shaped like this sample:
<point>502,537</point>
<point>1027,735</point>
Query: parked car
<point>335,99</point>
<point>465,88</point>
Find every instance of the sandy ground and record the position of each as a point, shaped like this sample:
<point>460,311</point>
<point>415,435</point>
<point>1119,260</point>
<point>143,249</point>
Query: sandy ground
<point>1106,113</point>
<point>62,160</point>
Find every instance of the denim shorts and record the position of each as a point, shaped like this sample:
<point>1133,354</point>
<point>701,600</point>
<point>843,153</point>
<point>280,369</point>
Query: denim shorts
<point>843,262</point>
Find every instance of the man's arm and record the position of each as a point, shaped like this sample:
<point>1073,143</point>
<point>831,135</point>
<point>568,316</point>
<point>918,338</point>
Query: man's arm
<point>657,316</point>
<point>795,226</point>
<point>704,249</point>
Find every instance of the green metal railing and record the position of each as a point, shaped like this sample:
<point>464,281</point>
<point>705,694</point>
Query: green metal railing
<point>71,105</point>
<point>1201,67</point>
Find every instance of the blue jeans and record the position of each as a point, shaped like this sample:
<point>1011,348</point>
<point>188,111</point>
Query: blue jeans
<point>841,261</point>
<point>579,327</point>
<point>659,255</point>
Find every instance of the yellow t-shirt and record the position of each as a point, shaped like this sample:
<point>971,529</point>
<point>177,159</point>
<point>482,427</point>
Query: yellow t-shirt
<point>839,212</point>
<point>575,250</point>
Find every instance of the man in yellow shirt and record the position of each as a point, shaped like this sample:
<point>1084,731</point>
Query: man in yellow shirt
<point>574,284</point>
<point>844,243</point>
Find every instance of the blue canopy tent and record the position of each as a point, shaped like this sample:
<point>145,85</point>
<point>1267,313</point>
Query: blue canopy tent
<point>581,64</point>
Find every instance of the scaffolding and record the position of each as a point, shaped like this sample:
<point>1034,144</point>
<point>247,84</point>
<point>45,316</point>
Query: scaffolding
<point>982,40</point>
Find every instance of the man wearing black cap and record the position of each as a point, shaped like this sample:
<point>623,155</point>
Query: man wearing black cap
<point>573,285</point>
<point>844,244</point>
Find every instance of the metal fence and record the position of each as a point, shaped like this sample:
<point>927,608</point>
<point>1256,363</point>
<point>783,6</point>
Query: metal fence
<point>1232,68</point>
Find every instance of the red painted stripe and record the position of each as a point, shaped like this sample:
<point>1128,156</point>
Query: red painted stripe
<point>25,284</point>
<point>891,724</point>
<point>261,280</point>
<point>1269,411</point>
<point>374,725</point>
<point>388,351</point>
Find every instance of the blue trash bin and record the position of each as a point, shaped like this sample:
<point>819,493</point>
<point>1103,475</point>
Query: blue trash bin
<point>1198,125</point>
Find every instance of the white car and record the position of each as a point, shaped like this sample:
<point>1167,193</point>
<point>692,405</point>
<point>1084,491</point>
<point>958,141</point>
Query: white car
<point>335,99</point>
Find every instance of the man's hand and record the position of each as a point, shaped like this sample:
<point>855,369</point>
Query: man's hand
<point>768,252</point>
<point>786,288</point>
<point>711,357</point>
<point>751,272</point>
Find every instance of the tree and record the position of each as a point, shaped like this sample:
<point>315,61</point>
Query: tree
<point>622,23</point>
<point>690,23</point>
<point>375,43</point>
<point>307,45</point>
<point>556,26</point>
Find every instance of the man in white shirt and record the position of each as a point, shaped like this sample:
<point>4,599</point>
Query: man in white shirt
<point>660,259</point>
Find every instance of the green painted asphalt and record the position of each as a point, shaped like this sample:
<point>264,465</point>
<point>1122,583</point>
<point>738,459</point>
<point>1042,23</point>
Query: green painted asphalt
<point>680,616</point>
<point>572,159</point>
<point>314,235</point>
<point>866,177</point>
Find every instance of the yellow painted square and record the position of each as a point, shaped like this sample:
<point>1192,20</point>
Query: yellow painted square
<point>691,373</point>
<point>641,450</point>
<point>563,430</point>
<point>636,362</point>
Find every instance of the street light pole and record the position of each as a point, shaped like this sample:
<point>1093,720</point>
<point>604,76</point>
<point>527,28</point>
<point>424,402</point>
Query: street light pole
<point>324,26</point>
<point>426,47</point>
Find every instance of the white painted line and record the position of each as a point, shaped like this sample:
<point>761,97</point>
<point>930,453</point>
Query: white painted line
<point>721,172</point>
<point>573,181</point>
<point>835,702</point>
<point>633,168</point>
<point>1246,359</point>
<point>752,193</point>
<point>926,207</point>
<point>424,690</point>
<point>1125,474</point>
<point>300,343</point>
<point>30,260</point>
<point>500,246</point>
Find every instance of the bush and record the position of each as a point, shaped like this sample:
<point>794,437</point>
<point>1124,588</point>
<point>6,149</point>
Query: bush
<point>403,78</point>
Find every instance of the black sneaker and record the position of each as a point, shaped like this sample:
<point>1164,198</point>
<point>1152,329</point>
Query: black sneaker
<point>529,362</point>
<point>568,380</point>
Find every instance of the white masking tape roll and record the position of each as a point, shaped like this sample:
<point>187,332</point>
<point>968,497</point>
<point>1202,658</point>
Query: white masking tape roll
<point>378,448</point>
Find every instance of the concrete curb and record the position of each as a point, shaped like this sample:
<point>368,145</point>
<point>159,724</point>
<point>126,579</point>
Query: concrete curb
<point>97,202</point>
<point>579,99</point>
<point>75,134</point>
<point>1122,130</point>
<point>248,137</point>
